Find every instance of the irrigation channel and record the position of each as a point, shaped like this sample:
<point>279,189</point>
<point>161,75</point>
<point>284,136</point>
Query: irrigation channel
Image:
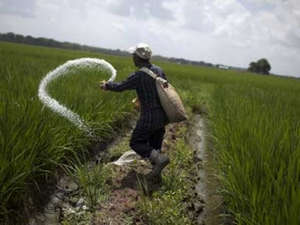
<point>66,201</point>
<point>208,204</point>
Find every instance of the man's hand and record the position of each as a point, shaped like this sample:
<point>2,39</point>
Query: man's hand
<point>136,103</point>
<point>103,85</point>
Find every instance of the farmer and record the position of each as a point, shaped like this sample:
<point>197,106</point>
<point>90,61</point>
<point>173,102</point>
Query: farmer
<point>147,137</point>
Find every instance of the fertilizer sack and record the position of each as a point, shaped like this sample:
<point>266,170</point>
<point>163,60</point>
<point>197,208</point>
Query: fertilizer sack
<point>169,98</point>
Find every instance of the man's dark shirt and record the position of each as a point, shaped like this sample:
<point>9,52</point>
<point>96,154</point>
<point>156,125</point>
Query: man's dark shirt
<point>152,114</point>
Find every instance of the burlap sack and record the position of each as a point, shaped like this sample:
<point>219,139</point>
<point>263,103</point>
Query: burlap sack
<point>169,98</point>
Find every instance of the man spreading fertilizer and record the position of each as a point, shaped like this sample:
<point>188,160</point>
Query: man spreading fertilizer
<point>147,137</point>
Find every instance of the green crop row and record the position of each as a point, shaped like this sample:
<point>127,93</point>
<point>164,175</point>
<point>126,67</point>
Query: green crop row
<point>254,124</point>
<point>257,133</point>
<point>34,141</point>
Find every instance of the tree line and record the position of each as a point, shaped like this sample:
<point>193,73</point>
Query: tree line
<point>261,66</point>
<point>18,38</point>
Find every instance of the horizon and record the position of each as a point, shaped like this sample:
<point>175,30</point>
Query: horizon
<point>233,33</point>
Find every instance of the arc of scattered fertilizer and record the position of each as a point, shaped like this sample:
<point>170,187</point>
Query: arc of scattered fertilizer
<point>62,110</point>
<point>53,104</point>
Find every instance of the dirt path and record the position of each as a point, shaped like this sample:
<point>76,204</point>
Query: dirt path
<point>124,186</point>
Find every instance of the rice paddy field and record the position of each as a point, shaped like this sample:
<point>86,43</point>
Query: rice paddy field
<point>254,129</point>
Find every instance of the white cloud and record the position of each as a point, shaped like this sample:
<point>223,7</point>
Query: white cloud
<point>15,7</point>
<point>142,10</point>
<point>232,32</point>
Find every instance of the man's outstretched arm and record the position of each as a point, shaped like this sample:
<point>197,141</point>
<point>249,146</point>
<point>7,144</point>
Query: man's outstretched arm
<point>128,84</point>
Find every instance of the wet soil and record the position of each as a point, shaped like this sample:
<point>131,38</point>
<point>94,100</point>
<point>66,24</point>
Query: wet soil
<point>208,204</point>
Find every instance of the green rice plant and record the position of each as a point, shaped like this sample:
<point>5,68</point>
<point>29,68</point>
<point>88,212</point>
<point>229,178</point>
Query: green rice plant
<point>93,183</point>
<point>257,139</point>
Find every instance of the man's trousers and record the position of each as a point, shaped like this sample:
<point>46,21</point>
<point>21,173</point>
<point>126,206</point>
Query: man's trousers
<point>144,140</point>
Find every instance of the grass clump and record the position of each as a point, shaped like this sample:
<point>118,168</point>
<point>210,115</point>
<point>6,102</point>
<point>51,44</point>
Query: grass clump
<point>93,183</point>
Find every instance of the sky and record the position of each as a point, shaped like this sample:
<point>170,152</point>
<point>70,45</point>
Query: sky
<point>230,32</point>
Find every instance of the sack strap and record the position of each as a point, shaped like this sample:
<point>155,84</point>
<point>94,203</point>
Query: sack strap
<point>149,72</point>
<point>154,75</point>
